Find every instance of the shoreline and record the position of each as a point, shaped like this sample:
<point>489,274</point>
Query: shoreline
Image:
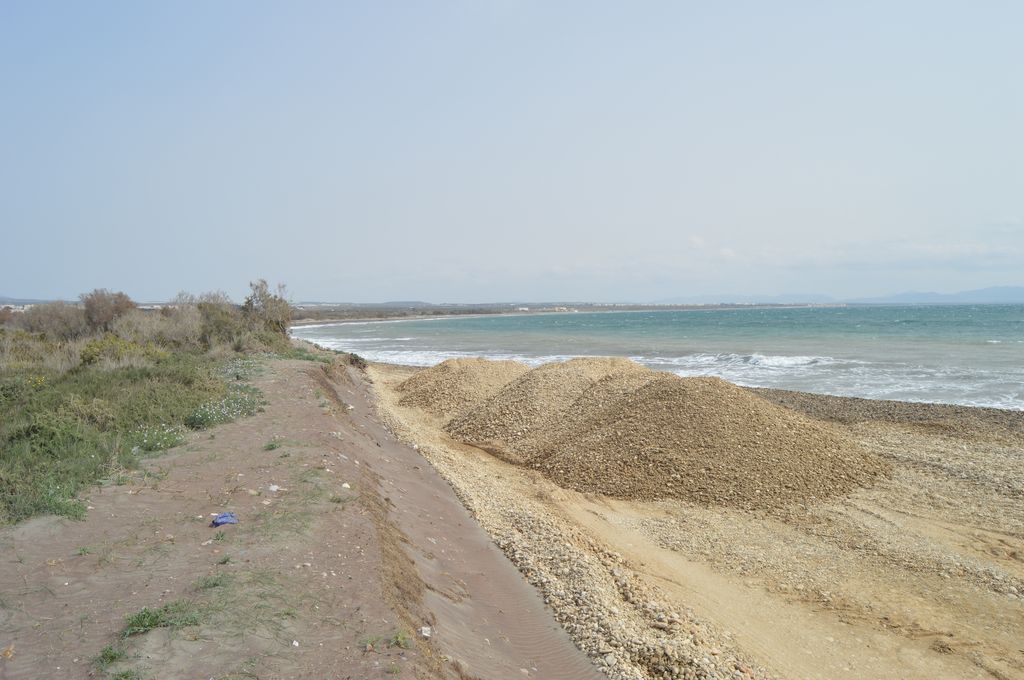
<point>951,407</point>
<point>582,310</point>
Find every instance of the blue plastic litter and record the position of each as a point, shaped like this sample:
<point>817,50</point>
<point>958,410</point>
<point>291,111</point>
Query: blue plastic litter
<point>224,518</point>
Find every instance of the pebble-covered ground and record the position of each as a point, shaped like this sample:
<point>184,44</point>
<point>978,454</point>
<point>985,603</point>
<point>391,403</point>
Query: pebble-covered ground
<point>918,575</point>
<point>614,427</point>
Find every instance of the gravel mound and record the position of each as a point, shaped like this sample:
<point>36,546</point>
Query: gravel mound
<point>708,441</point>
<point>613,427</point>
<point>454,385</point>
<point>518,419</point>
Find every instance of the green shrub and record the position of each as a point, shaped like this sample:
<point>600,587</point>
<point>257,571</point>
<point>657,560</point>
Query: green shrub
<point>114,351</point>
<point>60,433</point>
<point>73,408</point>
<point>221,320</point>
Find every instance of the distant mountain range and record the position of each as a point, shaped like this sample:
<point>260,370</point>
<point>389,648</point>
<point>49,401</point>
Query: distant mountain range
<point>786,299</point>
<point>997,295</point>
<point>993,295</point>
<point>19,301</point>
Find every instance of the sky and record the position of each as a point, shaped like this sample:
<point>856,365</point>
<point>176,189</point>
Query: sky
<point>461,151</point>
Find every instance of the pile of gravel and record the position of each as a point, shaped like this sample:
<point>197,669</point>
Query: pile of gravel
<point>611,426</point>
<point>449,388</point>
<point>516,421</point>
<point>708,441</point>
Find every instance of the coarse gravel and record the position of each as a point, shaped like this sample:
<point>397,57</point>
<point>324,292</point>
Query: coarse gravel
<point>612,426</point>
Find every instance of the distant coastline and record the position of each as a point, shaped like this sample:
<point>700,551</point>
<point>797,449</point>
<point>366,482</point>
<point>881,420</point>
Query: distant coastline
<point>375,313</point>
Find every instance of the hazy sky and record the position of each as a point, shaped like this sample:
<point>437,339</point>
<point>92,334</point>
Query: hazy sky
<point>472,150</point>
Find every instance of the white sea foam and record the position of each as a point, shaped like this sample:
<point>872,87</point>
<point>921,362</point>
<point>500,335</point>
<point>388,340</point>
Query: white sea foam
<point>700,360</point>
<point>938,377</point>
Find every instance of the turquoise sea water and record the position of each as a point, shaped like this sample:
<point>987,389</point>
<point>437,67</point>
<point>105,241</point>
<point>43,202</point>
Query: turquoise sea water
<point>963,354</point>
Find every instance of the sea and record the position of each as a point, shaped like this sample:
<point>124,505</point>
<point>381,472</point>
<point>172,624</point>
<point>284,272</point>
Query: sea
<point>956,354</point>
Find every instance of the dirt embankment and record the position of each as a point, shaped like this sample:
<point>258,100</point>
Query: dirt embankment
<point>351,558</point>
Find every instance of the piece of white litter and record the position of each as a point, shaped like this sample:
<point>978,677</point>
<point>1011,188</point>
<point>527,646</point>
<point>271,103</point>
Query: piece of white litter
<point>346,485</point>
<point>274,487</point>
<point>425,631</point>
<point>295,643</point>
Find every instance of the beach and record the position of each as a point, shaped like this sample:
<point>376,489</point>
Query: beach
<point>374,542</point>
<point>918,574</point>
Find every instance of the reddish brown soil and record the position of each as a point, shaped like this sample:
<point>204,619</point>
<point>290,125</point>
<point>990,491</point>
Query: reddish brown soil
<point>322,577</point>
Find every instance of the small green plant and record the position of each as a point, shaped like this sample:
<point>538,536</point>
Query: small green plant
<point>371,642</point>
<point>85,550</point>
<point>77,409</point>
<point>211,582</point>
<point>336,499</point>
<point>174,615</point>
<point>220,536</point>
<point>108,655</point>
<point>224,560</point>
<point>401,639</point>
<point>130,674</point>
<point>274,443</point>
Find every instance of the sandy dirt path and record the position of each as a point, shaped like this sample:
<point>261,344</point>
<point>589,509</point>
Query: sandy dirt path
<point>348,545</point>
